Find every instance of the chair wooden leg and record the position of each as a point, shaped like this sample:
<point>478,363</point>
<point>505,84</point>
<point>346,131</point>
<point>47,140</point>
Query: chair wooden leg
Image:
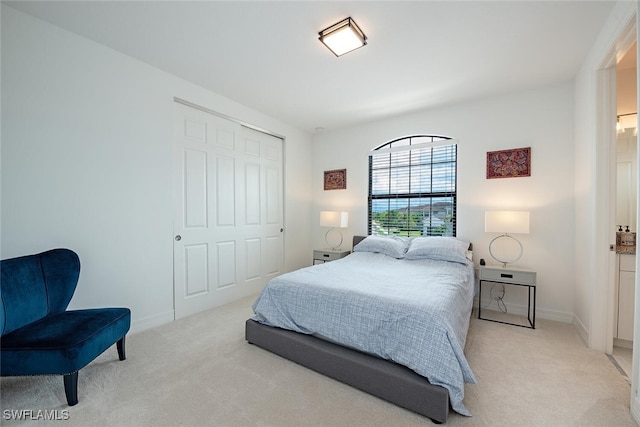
<point>120,345</point>
<point>71,388</point>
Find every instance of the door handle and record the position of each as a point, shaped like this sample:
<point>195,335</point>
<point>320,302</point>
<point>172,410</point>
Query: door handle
<point>178,238</point>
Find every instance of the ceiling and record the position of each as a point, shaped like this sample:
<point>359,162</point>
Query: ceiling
<point>420,54</point>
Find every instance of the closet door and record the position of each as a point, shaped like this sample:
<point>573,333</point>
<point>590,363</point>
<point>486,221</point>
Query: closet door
<point>228,217</point>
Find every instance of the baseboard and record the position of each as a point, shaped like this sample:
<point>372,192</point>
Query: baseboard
<point>623,343</point>
<point>558,316</point>
<point>581,329</point>
<point>521,310</point>
<point>635,409</point>
<point>151,322</point>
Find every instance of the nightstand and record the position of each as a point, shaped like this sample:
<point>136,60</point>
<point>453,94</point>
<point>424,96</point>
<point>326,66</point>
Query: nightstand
<point>513,276</point>
<point>320,256</point>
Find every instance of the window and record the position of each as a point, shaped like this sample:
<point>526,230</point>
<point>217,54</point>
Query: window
<point>412,187</point>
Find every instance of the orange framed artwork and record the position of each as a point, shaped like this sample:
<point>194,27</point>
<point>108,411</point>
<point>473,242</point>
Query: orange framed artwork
<point>512,163</point>
<point>335,179</point>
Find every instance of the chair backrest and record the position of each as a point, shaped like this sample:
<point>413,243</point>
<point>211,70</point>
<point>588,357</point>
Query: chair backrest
<point>35,286</point>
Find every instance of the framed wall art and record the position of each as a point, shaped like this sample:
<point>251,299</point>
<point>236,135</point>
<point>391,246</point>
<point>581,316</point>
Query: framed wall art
<point>512,163</point>
<point>335,179</point>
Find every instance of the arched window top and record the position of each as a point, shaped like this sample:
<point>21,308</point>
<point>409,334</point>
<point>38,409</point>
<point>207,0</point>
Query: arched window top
<point>409,141</point>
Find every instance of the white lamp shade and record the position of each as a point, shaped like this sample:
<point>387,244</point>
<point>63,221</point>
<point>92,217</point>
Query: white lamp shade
<point>334,219</point>
<point>506,222</point>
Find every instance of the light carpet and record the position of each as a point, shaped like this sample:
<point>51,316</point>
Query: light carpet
<point>200,371</point>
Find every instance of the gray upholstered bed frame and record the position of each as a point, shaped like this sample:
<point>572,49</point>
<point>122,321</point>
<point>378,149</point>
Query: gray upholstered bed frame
<point>381,378</point>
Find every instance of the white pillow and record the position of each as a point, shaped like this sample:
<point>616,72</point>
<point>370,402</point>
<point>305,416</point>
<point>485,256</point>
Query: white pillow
<point>393,246</point>
<point>438,248</point>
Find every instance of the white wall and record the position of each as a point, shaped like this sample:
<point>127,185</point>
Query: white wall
<point>541,119</point>
<point>87,164</point>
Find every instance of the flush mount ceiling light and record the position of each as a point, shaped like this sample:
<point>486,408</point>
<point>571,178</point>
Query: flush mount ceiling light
<point>343,37</point>
<point>625,121</point>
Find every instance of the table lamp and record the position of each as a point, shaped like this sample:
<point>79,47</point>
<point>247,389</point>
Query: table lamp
<point>506,222</point>
<point>334,220</point>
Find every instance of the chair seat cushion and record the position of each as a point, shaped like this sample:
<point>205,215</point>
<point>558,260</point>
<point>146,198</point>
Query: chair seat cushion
<point>62,343</point>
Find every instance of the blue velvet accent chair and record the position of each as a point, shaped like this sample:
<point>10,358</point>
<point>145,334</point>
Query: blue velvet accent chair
<point>39,335</point>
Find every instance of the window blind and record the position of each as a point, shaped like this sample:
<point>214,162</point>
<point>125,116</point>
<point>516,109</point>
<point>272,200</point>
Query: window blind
<point>412,187</point>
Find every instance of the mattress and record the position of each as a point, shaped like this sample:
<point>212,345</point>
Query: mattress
<point>412,312</point>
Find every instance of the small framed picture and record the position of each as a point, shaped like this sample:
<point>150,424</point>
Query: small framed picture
<point>335,179</point>
<point>509,163</point>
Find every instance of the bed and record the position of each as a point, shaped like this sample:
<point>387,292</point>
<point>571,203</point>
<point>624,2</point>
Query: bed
<point>383,319</point>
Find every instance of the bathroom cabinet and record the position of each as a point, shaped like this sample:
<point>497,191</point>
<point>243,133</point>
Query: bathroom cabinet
<point>626,296</point>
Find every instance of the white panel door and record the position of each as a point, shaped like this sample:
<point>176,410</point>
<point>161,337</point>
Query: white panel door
<point>626,298</point>
<point>228,215</point>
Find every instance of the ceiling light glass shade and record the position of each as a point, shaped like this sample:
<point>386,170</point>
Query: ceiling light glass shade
<point>343,37</point>
<point>627,121</point>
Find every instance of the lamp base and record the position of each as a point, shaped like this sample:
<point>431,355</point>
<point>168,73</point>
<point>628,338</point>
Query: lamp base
<point>332,246</point>
<point>500,258</point>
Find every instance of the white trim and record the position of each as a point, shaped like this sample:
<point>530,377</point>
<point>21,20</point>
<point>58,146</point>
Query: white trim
<point>623,343</point>
<point>411,147</point>
<point>151,322</point>
<point>635,361</point>
<point>580,328</point>
<point>224,116</point>
<point>555,315</point>
<point>541,313</point>
<point>635,409</point>
<point>606,111</point>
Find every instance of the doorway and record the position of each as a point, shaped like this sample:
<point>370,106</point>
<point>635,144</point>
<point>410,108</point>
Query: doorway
<point>626,209</point>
